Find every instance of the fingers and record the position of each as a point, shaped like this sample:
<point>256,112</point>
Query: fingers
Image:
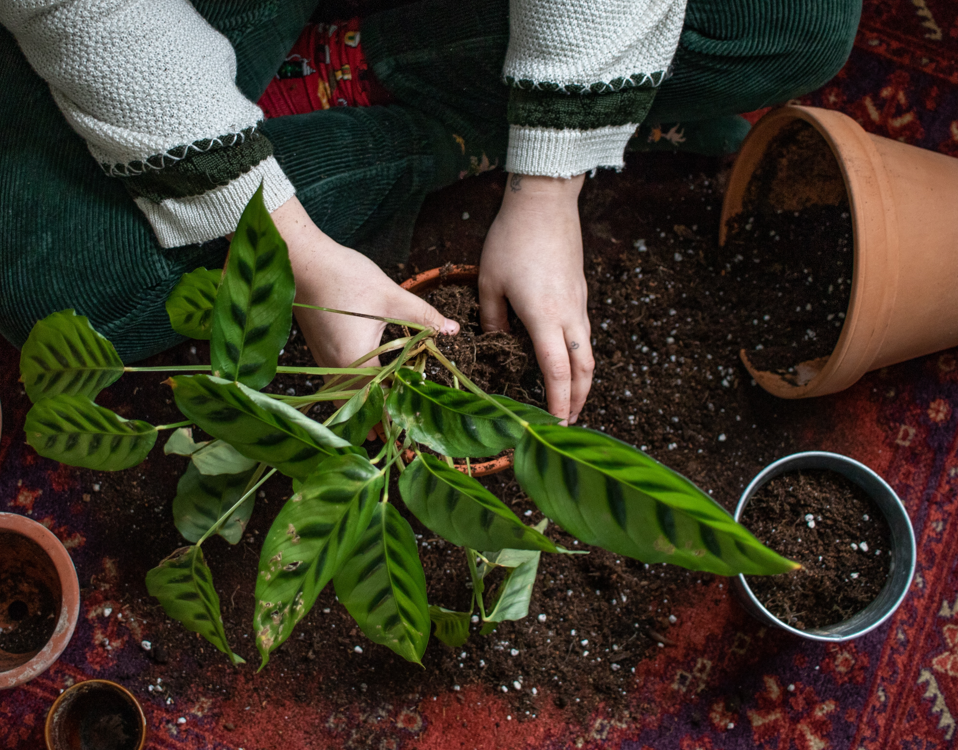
<point>416,310</point>
<point>582,365</point>
<point>556,371</point>
<point>493,310</point>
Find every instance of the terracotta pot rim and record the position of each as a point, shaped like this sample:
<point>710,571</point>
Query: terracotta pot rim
<point>70,598</point>
<point>421,283</point>
<point>876,244</point>
<point>51,714</point>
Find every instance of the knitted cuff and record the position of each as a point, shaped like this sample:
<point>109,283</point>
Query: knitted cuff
<point>215,213</point>
<point>565,153</point>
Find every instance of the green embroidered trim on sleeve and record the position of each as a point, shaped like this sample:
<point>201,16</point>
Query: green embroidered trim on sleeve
<point>636,80</point>
<point>195,168</point>
<point>545,109</point>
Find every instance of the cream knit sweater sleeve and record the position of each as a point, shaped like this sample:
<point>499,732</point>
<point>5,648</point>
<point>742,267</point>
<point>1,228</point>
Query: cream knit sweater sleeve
<point>150,86</point>
<point>583,75</point>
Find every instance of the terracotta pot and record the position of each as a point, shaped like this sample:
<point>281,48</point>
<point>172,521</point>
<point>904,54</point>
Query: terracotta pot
<point>903,551</point>
<point>420,284</point>
<point>96,714</point>
<point>902,200</point>
<point>39,599</point>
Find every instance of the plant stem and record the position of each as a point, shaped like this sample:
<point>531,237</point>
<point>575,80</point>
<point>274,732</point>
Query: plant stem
<point>328,370</point>
<point>406,323</point>
<point>175,425</point>
<point>434,350</point>
<point>170,368</point>
<point>477,584</point>
<point>297,400</point>
<point>222,519</point>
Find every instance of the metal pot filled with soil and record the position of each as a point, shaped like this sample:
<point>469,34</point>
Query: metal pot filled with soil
<point>498,362</point>
<point>840,246</point>
<point>39,599</point>
<point>849,531</point>
<point>96,715</point>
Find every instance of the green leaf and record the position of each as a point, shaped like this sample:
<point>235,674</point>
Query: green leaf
<point>201,500</point>
<point>383,585</point>
<point>452,628</point>
<point>181,443</point>
<point>63,354</point>
<point>310,540</point>
<point>253,311</point>
<point>219,457</point>
<point>506,558</point>
<point>613,496</point>
<point>461,510</point>
<point>75,431</point>
<point>259,427</point>
<point>190,304</point>
<point>184,586</point>
<point>457,423</point>
<point>360,414</point>
<point>516,591</point>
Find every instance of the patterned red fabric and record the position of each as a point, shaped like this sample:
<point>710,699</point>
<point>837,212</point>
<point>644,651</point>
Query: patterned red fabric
<point>895,688</point>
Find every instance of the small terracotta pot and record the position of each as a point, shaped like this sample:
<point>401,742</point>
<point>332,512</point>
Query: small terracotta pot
<point>96,714</point>
<point>39,599</point>
<point>419,285</point>
<point>902,201</point>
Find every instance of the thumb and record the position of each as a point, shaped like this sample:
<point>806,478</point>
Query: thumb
<point>493,310</point>
<point>417,310</point>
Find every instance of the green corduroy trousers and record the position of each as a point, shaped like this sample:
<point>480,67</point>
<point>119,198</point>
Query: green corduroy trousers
<point>73,238</point>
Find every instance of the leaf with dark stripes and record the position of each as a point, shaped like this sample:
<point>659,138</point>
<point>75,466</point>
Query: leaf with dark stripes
<point>63,354</point>
<point>613,496</point>
<point>259,427</point>
<point>310,540</point>
<point>452,628</point>
<point>253,311</point>
<point>383,585</point>
<point>190,304</point>
<point>75,431</point>
<point>201,500</point>
<point>515,592</point>
<point>360,414</point>
<point>184,585</point>
<point>457,423</point>
<point>458,508</point>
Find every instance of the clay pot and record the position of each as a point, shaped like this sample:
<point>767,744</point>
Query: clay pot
<point>39,599</point>
<point>93,715</point>
<point>903,552</point>
<point>902,200</point>
<point>420,284</point>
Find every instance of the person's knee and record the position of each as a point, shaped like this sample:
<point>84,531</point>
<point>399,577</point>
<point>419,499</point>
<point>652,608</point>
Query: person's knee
<point>823,40</point>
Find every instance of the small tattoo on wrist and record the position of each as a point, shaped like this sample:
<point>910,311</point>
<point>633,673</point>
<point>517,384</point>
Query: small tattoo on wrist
<point>573,345</point>
<point>515,183</point>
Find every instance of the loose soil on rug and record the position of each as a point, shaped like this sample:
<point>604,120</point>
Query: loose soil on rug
<point>666,331</point>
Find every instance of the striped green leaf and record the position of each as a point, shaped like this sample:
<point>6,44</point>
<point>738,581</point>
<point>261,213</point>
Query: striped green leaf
<point>457,423</point>
<point>452,628</point>
<point>63,354</point>
<point>75,431</point>
<point>310,540</point>
<point>181,443</point>
<point>613,496</point>
<point>190,304</point>
<point>515,593</point>
<point>461,510</point>
<point>383,585</point>
<point>253,311</point>
<point>201,500</point>
<point>259,427</point>
<point>360,414</point>
<point>184,586</point>
<point>219,457</point>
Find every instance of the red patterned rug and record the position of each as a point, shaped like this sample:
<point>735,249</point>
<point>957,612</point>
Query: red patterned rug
<point>725,683</point>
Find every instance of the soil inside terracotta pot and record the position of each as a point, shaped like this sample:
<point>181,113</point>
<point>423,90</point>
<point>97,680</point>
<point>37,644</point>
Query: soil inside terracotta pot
<point>788,260</point>
<point>28,606</point>
<point>98,718</point>
<point>830,526</point>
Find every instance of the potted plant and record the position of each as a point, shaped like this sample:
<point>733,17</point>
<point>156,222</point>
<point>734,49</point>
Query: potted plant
<point>342,524</point>
<point>901,200</point>
<point>896,551</point>
<point>39,599</point>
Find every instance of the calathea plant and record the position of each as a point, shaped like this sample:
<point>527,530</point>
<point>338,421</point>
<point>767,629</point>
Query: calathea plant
<point>342,525</point>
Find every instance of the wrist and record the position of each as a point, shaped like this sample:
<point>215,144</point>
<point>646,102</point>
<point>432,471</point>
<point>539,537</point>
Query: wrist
<point>543,190</point>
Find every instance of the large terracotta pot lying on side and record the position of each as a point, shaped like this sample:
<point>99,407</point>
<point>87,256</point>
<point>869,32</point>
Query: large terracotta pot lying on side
<point>39,599</point>
<point>904,295</point>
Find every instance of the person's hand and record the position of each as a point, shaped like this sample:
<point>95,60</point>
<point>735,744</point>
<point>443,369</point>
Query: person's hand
<point>532,257</point>
<point>330,275</point>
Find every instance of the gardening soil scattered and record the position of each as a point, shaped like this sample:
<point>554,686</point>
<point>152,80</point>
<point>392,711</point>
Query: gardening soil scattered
<point>830,526</point>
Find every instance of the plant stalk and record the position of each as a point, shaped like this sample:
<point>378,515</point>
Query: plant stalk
<point>222,519</point>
